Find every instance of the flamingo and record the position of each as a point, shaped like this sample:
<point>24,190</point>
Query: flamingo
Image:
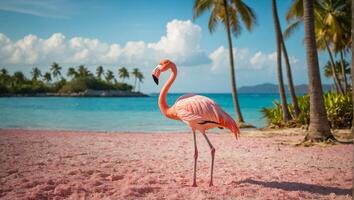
<point>198,112</point>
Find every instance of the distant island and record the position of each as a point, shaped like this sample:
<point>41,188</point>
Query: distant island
<point>270,88</point>
<point>81,83</point>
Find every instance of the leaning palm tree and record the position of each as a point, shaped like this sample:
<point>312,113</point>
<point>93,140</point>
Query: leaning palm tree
<point>228,12</point>
<point>99,72</point>
<point>72,73</point>
<point>288,69</point>
<point>56,70</point>
<point>36,73</point>
<point>278,34</point>
<point>109,76</point>
<point>123,73</point>
<point>47,77</point>
<point>319,127</point>
<point>140,80</point>
<point>84,72</point>
<point>135,73</point>
<point>339,66</point>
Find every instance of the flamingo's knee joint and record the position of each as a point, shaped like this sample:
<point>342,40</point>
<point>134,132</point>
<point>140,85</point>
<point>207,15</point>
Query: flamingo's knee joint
<point>212,151</point>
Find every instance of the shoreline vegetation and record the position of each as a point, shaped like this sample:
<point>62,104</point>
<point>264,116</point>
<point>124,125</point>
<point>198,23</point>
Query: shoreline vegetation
<point>86,93</point>
<point>80,82</point>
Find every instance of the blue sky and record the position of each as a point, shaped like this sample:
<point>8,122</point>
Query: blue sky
<point>138,34</point>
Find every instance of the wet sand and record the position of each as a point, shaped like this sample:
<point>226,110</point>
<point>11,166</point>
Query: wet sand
<point>40,164</point>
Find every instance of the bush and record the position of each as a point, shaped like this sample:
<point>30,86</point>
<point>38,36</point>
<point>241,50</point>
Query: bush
<point>123,87</point>
<point>338,108</point>
<point>82,84</point>
<point>30,88</point>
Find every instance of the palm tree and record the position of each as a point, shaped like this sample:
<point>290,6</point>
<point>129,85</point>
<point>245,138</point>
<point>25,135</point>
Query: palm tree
<point>83,72</point>
<point>331,22</point>
<point>72,73</point>
<point>123,73</point>
<point>344,66</point>
<point>319,127</point>
<point>135,73</point>
<point>140,80</point>
<point>4,76</point>
<point>284,103</point>
<point>47,77</point>
<point>229,12</point>
<point>4,72</point>
<point>339,67</point>
<point>18,78</point>
<point>99,71</point>
<point>36,73</point>
<point>288,68</point>
<point>109,76</point>
<point>56,70</point>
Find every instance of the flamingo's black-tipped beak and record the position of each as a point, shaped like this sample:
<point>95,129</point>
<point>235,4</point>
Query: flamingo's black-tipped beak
<point>156,74</point>
<point>156,80</point>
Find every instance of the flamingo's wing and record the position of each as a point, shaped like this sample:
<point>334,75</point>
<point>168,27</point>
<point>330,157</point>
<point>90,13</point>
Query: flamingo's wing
<point>196,109</point>
<point>191,108</point>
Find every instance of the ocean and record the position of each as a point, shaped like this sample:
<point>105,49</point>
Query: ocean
<point>114,114</point>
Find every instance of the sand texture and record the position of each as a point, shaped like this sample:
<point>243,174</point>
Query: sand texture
<point>85,165</point>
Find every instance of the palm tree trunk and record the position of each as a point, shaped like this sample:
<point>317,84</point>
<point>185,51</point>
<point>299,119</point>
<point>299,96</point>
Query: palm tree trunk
<point>290,80</point>
<point>284,103</point>
<point>288,73</point>
<point>335,76</point>
<point>343,72</point>
<point>232,68</point>
<point>319,127</point>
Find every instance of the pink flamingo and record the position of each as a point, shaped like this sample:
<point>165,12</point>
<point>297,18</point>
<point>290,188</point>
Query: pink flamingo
<point>198,112</point>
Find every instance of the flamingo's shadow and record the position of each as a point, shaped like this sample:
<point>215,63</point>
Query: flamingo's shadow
<point>295,186</point>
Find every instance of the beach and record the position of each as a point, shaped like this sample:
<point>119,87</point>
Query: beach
<point>44,164</point>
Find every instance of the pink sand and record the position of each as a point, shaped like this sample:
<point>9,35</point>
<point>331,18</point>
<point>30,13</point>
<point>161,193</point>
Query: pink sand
<point>82,165</point>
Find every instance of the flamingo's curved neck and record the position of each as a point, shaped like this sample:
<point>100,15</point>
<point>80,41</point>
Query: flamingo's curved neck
<point>165,109</point>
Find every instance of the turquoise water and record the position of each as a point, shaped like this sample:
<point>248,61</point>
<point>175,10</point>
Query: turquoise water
<point>113,114</point>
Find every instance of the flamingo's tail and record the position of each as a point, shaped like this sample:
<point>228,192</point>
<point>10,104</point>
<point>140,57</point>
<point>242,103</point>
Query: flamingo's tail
<point>229,123</point>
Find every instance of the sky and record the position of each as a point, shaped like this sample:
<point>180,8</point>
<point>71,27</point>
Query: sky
<point>138,34</point>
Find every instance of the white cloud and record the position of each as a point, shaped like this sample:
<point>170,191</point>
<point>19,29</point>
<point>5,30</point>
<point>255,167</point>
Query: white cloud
<point>260,60</point>
<point>244,59</point>
<point>180,44</point>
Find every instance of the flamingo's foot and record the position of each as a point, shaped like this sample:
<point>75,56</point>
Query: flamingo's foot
<point>211,184</point>
<point>194,185</point>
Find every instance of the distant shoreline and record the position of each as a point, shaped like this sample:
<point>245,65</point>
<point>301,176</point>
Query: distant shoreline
<point>87,93</point>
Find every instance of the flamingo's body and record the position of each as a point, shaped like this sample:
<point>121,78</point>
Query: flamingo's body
<point>198,112</point>
<point>202,113</point>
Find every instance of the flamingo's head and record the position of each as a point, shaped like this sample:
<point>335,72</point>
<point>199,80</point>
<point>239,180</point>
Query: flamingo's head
<point>163,66</point>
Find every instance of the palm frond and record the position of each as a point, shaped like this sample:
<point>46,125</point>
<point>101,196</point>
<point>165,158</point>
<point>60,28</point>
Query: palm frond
<point>234,22</point>
<point>295,11</point>
<point>294,25</point>
<point>200,6</point>
<point>246,13</point>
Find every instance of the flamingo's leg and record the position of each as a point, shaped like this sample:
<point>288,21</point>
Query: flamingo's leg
<point>195,160</point>
<point>212,151</point>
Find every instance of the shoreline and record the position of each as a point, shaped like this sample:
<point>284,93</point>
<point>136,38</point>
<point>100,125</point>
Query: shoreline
<point>87,93</point>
